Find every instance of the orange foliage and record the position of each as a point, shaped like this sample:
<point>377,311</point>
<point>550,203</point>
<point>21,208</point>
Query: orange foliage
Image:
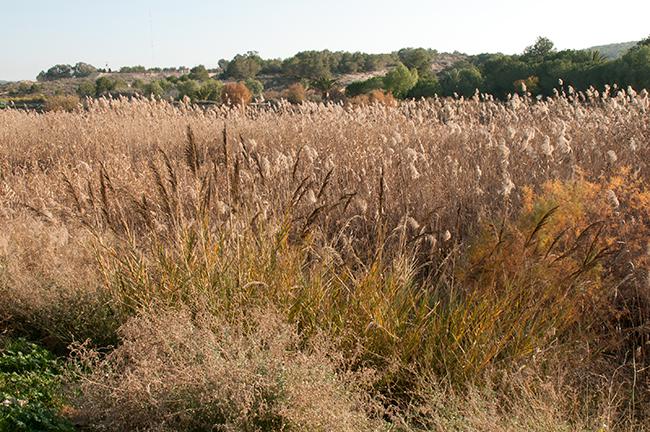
<point>236,94</point>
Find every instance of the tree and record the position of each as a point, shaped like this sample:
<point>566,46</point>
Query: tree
<point>635,67</point>
<point>311,65</point>
<point>210,90</point>
<point>541,49</point>
<point>236,94</point>
<point>189,88</point>
<point>244,66</point>
<point>425,87</point>
<point>133,69</point>
<point>199,73</point>
<point>417,58</point>
<point>324,85</point>
<point>86,89</point>
<point>400,80</point>
<point>256,87</point>
<point>82,70</point>
<point>104,85</point>
<point>223,64</point>
<point>154,88</point>
<point>644,42</point>
<point>463,81</point>
<point>271,66</point>
<point>500,72</point>
<point>56,72</point>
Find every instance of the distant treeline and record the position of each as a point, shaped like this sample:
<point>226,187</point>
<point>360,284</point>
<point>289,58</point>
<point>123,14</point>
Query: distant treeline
<point>536,72</point>
<point>410,73</point>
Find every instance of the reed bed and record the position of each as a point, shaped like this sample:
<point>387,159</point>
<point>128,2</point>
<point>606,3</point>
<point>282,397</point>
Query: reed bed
<point>450,264</point>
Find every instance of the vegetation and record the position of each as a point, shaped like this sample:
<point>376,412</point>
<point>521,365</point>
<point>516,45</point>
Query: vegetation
<point>409,73</point>
<point>236,94</point>
<point>30,394</point>
<point>441,264</point>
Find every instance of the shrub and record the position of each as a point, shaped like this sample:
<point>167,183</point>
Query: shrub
<point>381,97</point>
<point>296,93</point>
<point>256,87</point>
<point>425,88</point>
<point>86,89</point>
<point>199,73</point>
<point>362,87</point>
<point>209,90</point>
<point>62,103</point>
<point>236,94</point>
<point>184,371</point>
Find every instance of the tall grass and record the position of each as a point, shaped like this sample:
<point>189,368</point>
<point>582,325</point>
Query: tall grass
<point>441,247</point>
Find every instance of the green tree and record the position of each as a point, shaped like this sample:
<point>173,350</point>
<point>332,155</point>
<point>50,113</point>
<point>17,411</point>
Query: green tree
<point>644,42</point>
<point>256,87</point>
<point>635,67</point>
<point>209,90</point>
<point>537,52</point>
<point>463,81</point>
<point>310,65</point>
<point>425,87</point>
<point>86,89</point>
<point>244,66</point>
<point>199,73</point>
<point>400,80</point>
<point>500,71</point>
<point>189,88</point>
<point>417,58</point>
<point>133,69</point>
<point>325,86</point>
<point>56,72</point>
<point>104,85</point>
<point>82,70</point>
<point>154,88</point>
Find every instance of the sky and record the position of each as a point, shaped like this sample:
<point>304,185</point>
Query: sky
<point>36,34</point>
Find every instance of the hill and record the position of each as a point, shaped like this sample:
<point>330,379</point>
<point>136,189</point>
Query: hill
<point>613,51</point>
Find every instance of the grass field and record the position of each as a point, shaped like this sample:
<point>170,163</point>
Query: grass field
<point>446,265</point>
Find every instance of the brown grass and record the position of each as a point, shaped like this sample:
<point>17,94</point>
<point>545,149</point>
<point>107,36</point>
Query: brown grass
<point>452,246</point>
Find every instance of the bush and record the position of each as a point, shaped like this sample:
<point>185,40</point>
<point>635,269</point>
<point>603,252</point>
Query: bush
<point>188,88</point>
<point>104,85</point>
<point>381,97</point>
<point>86,89</point>
<point>362,87</point>
<point>426,87</point>
<point>199,73</point>
<point>62,103</point>
<point>236,94</point>
<point>256,87</point>
<point>296,93</point>
<point>183,371</point>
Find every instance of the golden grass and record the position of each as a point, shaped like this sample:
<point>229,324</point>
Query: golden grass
<point>450,246</point>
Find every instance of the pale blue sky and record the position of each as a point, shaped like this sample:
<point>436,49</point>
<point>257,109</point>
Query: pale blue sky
<point>37,34</point>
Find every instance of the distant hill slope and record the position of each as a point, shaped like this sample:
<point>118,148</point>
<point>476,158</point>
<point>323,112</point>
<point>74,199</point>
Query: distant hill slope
<point>613,51</point>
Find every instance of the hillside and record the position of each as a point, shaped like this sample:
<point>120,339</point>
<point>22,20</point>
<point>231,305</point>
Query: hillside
<point>613,51</point>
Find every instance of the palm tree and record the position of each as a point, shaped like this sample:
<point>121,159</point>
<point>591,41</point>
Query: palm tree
<point>324,85</point>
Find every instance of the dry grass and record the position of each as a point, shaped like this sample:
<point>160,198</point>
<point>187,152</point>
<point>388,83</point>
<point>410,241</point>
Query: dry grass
<point>452,246</point>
